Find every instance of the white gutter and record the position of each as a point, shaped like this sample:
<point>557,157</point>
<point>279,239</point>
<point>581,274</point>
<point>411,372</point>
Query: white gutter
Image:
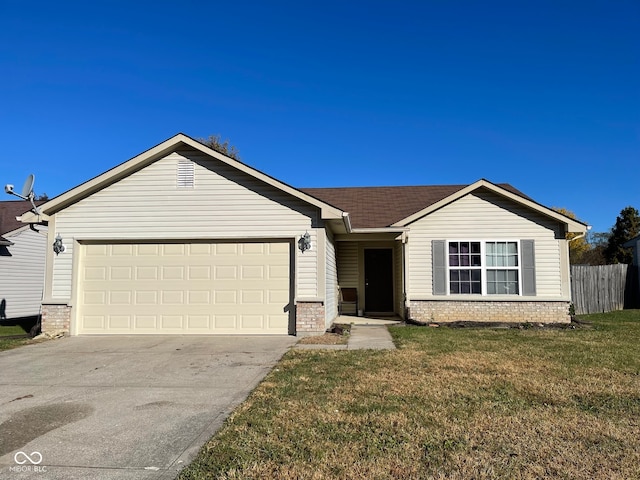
<point>581,235</point>
<point>381,230</point>
<point>347,221</point>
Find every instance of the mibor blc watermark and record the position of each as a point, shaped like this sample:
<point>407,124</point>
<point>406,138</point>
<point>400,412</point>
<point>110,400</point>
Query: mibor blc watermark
<point>28,463</point>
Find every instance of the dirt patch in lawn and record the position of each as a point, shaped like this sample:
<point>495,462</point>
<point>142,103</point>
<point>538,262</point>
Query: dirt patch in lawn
<point>337,335</point>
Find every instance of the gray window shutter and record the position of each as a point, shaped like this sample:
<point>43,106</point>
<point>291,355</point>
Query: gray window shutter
<point>528,256</point>
<point>439,271</point>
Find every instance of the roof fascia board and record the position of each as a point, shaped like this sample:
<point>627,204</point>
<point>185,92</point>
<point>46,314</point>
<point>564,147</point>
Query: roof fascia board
<point>149,156</point>
<point>572,224</point>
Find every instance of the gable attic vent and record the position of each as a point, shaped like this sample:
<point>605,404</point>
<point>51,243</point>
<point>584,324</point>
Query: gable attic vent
<point>186,174</point>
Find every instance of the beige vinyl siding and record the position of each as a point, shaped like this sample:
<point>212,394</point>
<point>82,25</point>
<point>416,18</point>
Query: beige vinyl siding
<point>22,272</point>
<point>223,204</point>
<point>347,257</point>
<point>331,283</point>
<point>485,215</point>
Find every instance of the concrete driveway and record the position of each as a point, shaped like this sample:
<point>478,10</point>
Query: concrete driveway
<point>122,407</point>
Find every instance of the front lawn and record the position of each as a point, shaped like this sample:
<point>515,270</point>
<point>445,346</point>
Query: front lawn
<point>449,403</point>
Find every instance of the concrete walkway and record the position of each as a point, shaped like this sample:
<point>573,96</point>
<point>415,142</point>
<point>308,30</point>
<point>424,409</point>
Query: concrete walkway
<point>373,337</point>
<point>363,337</point>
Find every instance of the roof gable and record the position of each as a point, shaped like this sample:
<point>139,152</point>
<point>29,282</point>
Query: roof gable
<point>503,190</point>
<point>153,154</point>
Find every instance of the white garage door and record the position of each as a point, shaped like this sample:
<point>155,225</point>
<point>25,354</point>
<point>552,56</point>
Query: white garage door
<point>186,288</point>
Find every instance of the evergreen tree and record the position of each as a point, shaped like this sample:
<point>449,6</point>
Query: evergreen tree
<point>627,227</point>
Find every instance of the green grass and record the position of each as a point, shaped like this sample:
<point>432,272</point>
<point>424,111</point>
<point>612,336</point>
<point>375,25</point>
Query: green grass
<point>8,343</point>
<point>10,328</point>
<point>449,403</point>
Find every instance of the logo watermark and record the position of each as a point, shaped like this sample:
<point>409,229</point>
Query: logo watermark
<point>28,463</point>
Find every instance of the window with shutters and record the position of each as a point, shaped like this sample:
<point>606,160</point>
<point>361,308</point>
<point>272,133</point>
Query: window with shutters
<point>185,174</point>
<point>483,267</point>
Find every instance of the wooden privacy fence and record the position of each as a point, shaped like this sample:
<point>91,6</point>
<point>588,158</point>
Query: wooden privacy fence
<point>603,288</point>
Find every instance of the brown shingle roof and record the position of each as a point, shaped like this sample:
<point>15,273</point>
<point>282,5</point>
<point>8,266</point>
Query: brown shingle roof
<point>372,207</point>
<point>9,210</point>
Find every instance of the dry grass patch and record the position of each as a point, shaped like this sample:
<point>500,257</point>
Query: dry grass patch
<point>455,404</point>
<point>337,335</point>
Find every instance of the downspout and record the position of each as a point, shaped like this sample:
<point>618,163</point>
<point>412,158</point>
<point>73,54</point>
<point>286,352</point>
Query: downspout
<point>405,289</point>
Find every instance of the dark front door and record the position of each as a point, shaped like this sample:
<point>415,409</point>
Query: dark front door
<point>378,282</point>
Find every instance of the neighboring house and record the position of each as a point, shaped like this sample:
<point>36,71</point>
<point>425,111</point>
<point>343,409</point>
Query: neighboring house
<point>22,260</point>
<point>184,240</point>
<point>634,244</point>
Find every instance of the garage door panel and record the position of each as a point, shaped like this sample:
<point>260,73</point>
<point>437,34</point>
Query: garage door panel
<point>184,288</point>
<point>145,322</point>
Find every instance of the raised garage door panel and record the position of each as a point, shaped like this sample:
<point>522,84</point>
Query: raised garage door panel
<point>191,288</point>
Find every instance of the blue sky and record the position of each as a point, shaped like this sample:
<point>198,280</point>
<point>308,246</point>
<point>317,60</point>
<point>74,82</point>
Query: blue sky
<point>544,95</point>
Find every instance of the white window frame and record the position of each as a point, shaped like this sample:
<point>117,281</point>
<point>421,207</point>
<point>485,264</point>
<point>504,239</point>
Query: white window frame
<point>483,266</point>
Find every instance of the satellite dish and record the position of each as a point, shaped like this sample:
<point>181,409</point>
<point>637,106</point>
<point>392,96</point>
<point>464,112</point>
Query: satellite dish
<point>27,188</point>
<point>27,192</point>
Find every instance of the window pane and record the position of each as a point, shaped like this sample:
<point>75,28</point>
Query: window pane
<point>512,248</point>
<point>476,275</point>
<point>475,261</point>
<point>464,276</point>
<point>465,288</point>
<point>502,282</point>
<point>455,275</point>
<point>454,287</point>
<point>453,261</point>
<point>453,247</point>
<point>475,247</point>
<point>464,260</point>
<point>476,287</point>
<point>512,261</point>
<point>464,247</point>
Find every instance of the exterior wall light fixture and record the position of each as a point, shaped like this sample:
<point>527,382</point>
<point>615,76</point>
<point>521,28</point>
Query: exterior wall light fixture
<point>58,247</point>
<point>304,243</point>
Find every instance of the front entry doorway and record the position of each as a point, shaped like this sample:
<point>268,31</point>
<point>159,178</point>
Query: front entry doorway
<point>378,283</point>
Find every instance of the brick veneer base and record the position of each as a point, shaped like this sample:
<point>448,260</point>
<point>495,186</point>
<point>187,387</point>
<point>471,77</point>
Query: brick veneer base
<point>310,318</point>
<point>56,318</point>
<point>489,311</point>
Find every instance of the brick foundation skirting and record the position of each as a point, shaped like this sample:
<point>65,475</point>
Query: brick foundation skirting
<point>310,318</point>
<point>489,311</point>
<point>56,318</point>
